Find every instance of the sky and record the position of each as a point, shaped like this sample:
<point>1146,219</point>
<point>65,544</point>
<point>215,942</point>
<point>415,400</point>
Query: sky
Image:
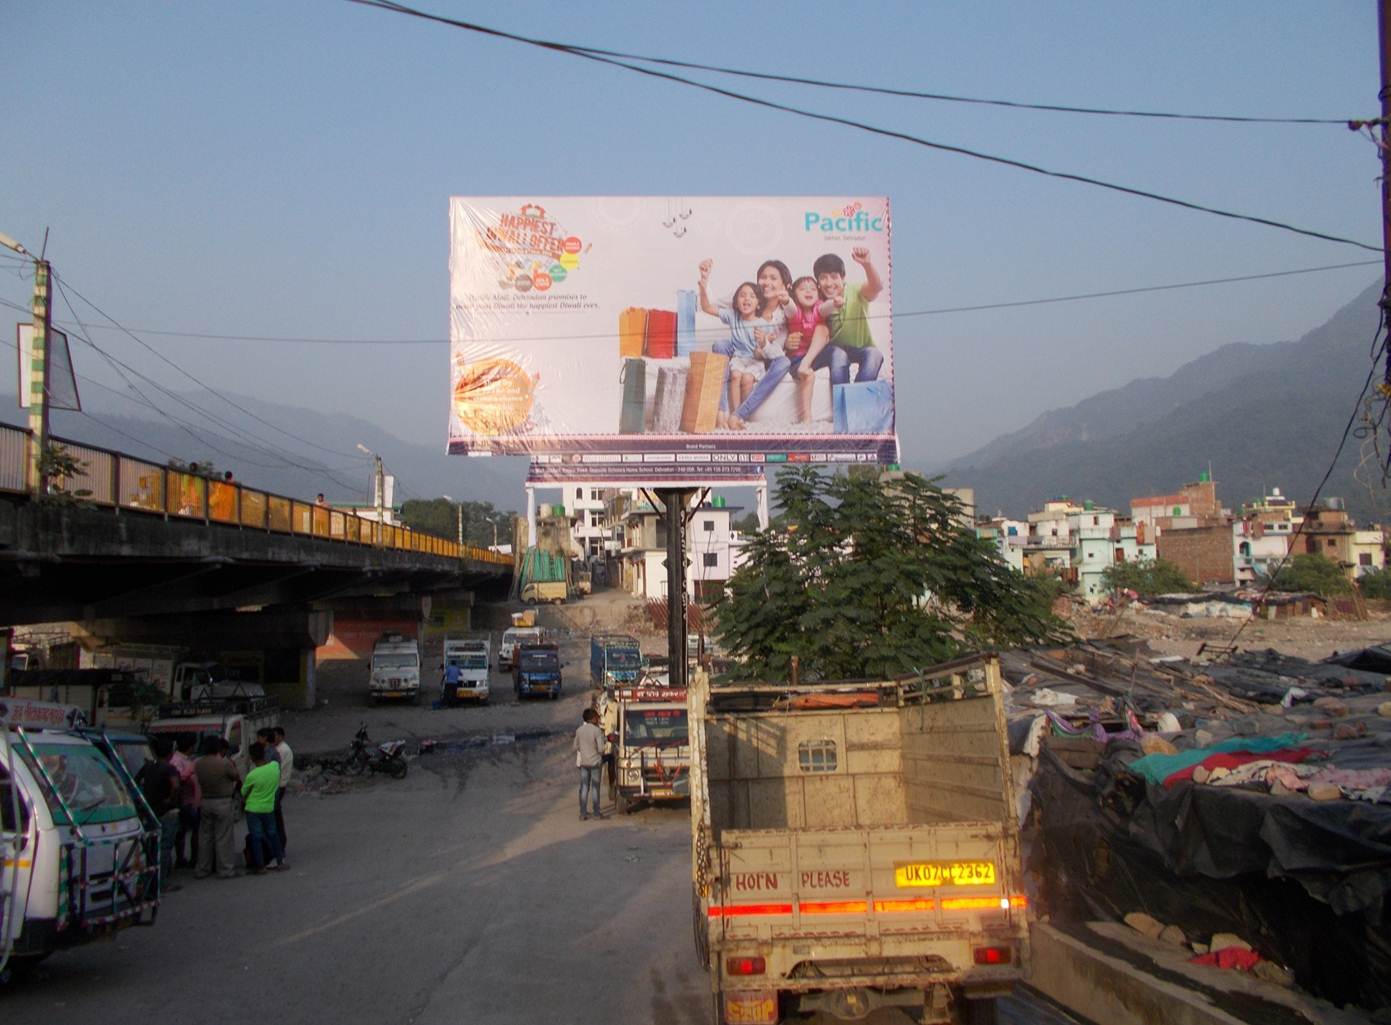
<point>283,169</point>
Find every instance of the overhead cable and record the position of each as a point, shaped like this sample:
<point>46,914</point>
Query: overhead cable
<point>938,311</point>
<point>388,5</point>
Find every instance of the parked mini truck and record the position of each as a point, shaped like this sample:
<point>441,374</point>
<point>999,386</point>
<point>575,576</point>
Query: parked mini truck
<point>855,846</point>
<point>536,670</point>
<point>614,659</point>
<point>652,755</point>
<point>79,847</point>
<point>395,671</point>
<point>553,591</point>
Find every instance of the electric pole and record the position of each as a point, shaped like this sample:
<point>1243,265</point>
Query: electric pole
<point>34,377</point>
<point>1383,27</point>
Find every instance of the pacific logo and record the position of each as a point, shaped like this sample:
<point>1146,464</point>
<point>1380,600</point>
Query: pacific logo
<point>852,218</point>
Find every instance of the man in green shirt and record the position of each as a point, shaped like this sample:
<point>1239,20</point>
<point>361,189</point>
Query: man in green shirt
<point>849,321</point>
<point>259,789</point>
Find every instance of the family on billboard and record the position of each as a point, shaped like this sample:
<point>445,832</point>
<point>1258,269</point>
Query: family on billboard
<point>777,333</point>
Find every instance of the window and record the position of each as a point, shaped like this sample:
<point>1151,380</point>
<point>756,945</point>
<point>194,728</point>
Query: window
<point>1330,543</point>
<point>1364,558</point>
<point>712,559</point>
<point>817,756</point>
<point>708,526</point>
<point>1096,520</point>
<point>579,493</point>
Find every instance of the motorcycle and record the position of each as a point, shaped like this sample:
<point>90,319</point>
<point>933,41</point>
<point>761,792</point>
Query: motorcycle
<point>389,757</point>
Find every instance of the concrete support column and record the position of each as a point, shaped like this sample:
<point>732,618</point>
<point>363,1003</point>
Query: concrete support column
<point>530,515</point>
<point>762,493</point>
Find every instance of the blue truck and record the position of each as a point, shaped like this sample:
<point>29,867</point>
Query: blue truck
<point>536,670</point>
<point>614,659</point>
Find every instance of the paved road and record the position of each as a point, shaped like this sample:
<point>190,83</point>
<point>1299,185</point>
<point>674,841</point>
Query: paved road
<point>468,892</point>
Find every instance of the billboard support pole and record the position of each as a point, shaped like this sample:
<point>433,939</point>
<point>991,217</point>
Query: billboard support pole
<point>37,373</point>
<point>674,501</point>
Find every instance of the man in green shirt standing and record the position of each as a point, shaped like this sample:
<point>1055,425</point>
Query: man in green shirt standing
<point>259,789</point>
<point>849,321</point>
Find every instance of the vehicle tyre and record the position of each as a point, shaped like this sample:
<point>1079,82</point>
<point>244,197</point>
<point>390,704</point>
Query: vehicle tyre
<point>980,1012</point>
<point>415,698</point>
<point>717,1007</point>
<point>622,803</point>
<point>398,767</point>
<point>356,765</point>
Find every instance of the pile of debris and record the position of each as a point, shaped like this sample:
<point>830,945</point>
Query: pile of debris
<point>1249,795</point>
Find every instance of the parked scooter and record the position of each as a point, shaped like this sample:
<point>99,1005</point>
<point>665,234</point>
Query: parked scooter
<point>389,757</point>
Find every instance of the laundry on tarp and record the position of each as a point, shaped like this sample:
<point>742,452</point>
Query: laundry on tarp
<point>1247,793</point>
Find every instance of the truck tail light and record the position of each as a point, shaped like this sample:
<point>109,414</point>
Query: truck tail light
<point>992,955</point>
<point>745,965</point>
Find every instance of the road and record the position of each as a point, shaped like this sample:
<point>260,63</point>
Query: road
<point>470,891</point>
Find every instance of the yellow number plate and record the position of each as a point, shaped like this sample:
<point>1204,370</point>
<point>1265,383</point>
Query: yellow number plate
<point>750,1008</point>
<point>944,873</point>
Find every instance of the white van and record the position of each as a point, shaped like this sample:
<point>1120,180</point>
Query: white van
<point>395,669</point>
<point>511,638</point>
<point>79,847</point>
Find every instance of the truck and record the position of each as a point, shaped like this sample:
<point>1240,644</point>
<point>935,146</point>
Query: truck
<point>614,659</point>
<point>536,670</point>
<point>181,675</point>
<point>394,671</point>
<point>648,728</point>
<point>514,636</point>
<point>537,591</point>
<point>470,656</point>
<point>584,581</point>
<point>235,720</point>
<point>856,846</point>
<point>107,697</point>
<point>79,846</point>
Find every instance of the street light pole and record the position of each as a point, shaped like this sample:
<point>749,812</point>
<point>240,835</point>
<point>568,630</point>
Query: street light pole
<point>459,506</point>
<point>34,378</point>
<point>379,480</point>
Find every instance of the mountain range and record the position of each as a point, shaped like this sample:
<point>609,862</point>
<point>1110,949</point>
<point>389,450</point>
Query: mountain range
<point>1259,416</point>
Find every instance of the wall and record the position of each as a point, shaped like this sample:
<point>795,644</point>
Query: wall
<point>1203,553</point>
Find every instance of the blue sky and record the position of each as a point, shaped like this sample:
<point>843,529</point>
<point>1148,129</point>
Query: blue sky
<point>284,169</point>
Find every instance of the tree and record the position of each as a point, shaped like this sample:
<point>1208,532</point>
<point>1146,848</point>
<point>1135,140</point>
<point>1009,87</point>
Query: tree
<point>872,577</point>
<point>57,468</point>
<point>1376,584</point>
<point>440,517</point>
<point>1146,577</point>
<point>1313,573</point>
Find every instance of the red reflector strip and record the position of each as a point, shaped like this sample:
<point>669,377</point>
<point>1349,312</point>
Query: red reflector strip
<point>983,903</point>
<point>739,910</point>
<point>833,907</point>
<point>911,904</point>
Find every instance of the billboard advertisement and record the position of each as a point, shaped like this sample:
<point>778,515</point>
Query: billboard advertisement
<point>662,331</point>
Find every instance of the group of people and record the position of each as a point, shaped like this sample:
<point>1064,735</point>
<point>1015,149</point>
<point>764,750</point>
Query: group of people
<point>198,801</point>
<point>780,326</point>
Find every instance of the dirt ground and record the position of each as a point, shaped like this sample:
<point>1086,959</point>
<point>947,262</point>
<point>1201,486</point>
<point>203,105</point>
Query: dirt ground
<point>1169,634</point>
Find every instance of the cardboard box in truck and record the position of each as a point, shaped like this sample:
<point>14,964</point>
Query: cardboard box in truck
<point>856,846</point>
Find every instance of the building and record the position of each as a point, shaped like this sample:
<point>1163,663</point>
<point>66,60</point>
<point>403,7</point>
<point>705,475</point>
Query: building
<point>1261,536</point>
<point>1008,538</point>
<point>587,507</point>
<point>1193,505</point>
<point>1077,543</point>
<point>711,549</point>
<point>1330,532</point>
<point>1204,554</point>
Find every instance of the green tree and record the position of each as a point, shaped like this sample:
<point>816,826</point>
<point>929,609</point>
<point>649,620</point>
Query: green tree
<point>1146,577</point>
<point>440,516</point>
<point>57,469</point>
<point>1376,584</point>
<point>870,578</point>
<point>1314,573</point>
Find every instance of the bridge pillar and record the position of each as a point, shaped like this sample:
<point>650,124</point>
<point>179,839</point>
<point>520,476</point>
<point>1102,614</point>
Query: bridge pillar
<point>359,622</point>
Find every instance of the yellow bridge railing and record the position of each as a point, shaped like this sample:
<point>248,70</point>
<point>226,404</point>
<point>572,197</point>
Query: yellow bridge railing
<point>123,482</point>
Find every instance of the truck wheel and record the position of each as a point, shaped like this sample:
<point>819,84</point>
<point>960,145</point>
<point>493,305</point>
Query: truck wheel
<point>399,768</point>
<point>622,803</point>
<point>980,1012</point>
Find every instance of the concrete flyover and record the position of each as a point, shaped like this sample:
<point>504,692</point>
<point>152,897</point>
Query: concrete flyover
<point>83,561</point>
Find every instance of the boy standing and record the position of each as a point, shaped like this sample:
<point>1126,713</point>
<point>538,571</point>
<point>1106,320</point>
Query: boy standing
<point>849,320</point>
<point>259,789</point>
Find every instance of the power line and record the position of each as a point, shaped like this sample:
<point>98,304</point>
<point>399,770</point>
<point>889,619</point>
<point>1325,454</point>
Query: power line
<point>1332,463</point>
<point>938,311</point>
<point>595,56</point>
<point>195,380</point>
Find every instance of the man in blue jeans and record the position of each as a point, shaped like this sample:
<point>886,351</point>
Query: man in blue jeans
<point>589,757</point>
<point>849,321</point>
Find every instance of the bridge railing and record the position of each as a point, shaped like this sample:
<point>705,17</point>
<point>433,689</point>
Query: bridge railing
<point>125,483</point>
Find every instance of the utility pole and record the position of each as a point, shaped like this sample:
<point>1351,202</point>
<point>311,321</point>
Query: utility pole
<point>36,374</point>
<point>674,502</point>
<point>1383,28</point>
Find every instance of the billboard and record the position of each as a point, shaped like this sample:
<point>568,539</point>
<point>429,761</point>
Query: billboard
<point>661,331</point>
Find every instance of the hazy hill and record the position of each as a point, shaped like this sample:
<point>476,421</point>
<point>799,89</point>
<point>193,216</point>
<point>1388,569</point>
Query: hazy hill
<point>1262,415</point>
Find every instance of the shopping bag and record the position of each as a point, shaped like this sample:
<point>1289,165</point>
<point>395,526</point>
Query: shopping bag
<point>864,407</point>
<point>670,400</point>
<point>685,321</point>
<point>632,329</point>
<point>634,379</point>
<point>661,334</point>
<point>704,383</point>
